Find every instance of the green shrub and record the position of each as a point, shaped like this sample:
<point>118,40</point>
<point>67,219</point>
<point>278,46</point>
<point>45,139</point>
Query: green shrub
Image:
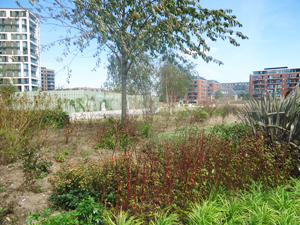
<point>34,164</point>
<point>113,135</point>
<point>21,119</point>
<point>87,212</point>
<point>70,186</point>
<point>233,132</point>
<point>145,128</point>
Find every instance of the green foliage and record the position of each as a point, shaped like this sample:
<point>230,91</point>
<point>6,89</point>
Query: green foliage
<point>122,218</point>
<point>145,128</point>
<point>278,118</point>
<point>233,132</point>
<point>87,212</point>
<point>34,164</point>
<point>218,95</point>
<point>60,157</point>
<point>198,115</point>
<point>22,118</point>
<point>225,110</point>
<point>57,117</point>
<point>70,187</point>
<point>114,135</point>
<point>165,218</point>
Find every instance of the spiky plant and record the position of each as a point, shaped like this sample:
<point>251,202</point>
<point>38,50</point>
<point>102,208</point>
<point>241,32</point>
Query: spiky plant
<point>121,219</point>
<point>279,118</point>
<point>165,218</point>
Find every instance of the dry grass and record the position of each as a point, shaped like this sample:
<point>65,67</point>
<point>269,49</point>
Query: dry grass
<point>219,119</point>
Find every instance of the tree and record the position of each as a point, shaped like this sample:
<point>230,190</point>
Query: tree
<point>128,28</point>
<point>218,94</point>
<point>174,80</point>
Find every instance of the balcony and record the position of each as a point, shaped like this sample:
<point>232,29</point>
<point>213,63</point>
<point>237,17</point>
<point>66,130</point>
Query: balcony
<point>33,39</point>
<point>33,54</point>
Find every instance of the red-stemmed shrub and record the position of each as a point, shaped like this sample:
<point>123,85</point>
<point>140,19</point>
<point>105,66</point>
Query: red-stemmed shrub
<point>175,173</point>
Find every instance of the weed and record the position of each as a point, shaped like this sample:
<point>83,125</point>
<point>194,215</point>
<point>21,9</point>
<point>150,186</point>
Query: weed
<point>60,157</point>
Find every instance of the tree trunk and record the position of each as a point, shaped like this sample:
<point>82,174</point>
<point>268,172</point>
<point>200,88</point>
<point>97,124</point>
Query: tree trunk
<point>124,79</point>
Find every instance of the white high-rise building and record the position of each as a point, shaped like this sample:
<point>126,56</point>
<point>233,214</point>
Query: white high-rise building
<point>19,49</point>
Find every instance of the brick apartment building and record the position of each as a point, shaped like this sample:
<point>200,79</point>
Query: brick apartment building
<point>48,79</point>
<point>213,86</point>
<point>200,90</point>
<point>279,79</point>
<point>197,90</point>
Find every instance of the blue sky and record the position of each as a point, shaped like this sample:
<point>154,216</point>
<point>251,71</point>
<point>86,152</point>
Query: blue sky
<point>271,25</point>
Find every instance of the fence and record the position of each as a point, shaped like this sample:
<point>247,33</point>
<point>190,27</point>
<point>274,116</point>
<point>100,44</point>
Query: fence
<point>90,101</point>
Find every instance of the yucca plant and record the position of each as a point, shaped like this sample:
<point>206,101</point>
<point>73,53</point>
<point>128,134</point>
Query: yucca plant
<point>278,118</point>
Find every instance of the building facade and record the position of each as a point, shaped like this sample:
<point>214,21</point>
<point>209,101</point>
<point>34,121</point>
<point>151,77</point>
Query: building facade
<point>48,79</point>
<point>238,86</point>
<point>213,86</point>
<point>278,80</point>
<point>19,49</point>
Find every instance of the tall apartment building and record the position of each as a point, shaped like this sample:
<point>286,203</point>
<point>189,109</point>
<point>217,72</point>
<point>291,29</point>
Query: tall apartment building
<point>279,79</point>
<point>19,49</point>
<point>238,86</point>
<point>48,79</point>
<point>213,86</point>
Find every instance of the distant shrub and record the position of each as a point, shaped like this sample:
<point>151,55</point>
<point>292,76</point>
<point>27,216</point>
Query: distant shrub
<point>225,110</point>
<point>112,134</point>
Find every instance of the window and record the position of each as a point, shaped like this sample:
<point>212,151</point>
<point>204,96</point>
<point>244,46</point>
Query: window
<point>26,88</point>
<point>278,91</point>
<point>288,81</point>
<point>270,77</point>
<point>278,81</point>
<point>3,36</point>
<point>195,90</point>
<point>2,13</point>
<point>278,76</point>
<point>262,77</point>
<point>288,85</point>
<point>288,75</point>
<point>24,36</point>
<point>254,78</point>
<point>270,86</point>
<point>35,82</point>
<point>255,82</point>
<point>255,91</point>
<point>24,21</point>
<point>24,28</point>
<point>278,86</point>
